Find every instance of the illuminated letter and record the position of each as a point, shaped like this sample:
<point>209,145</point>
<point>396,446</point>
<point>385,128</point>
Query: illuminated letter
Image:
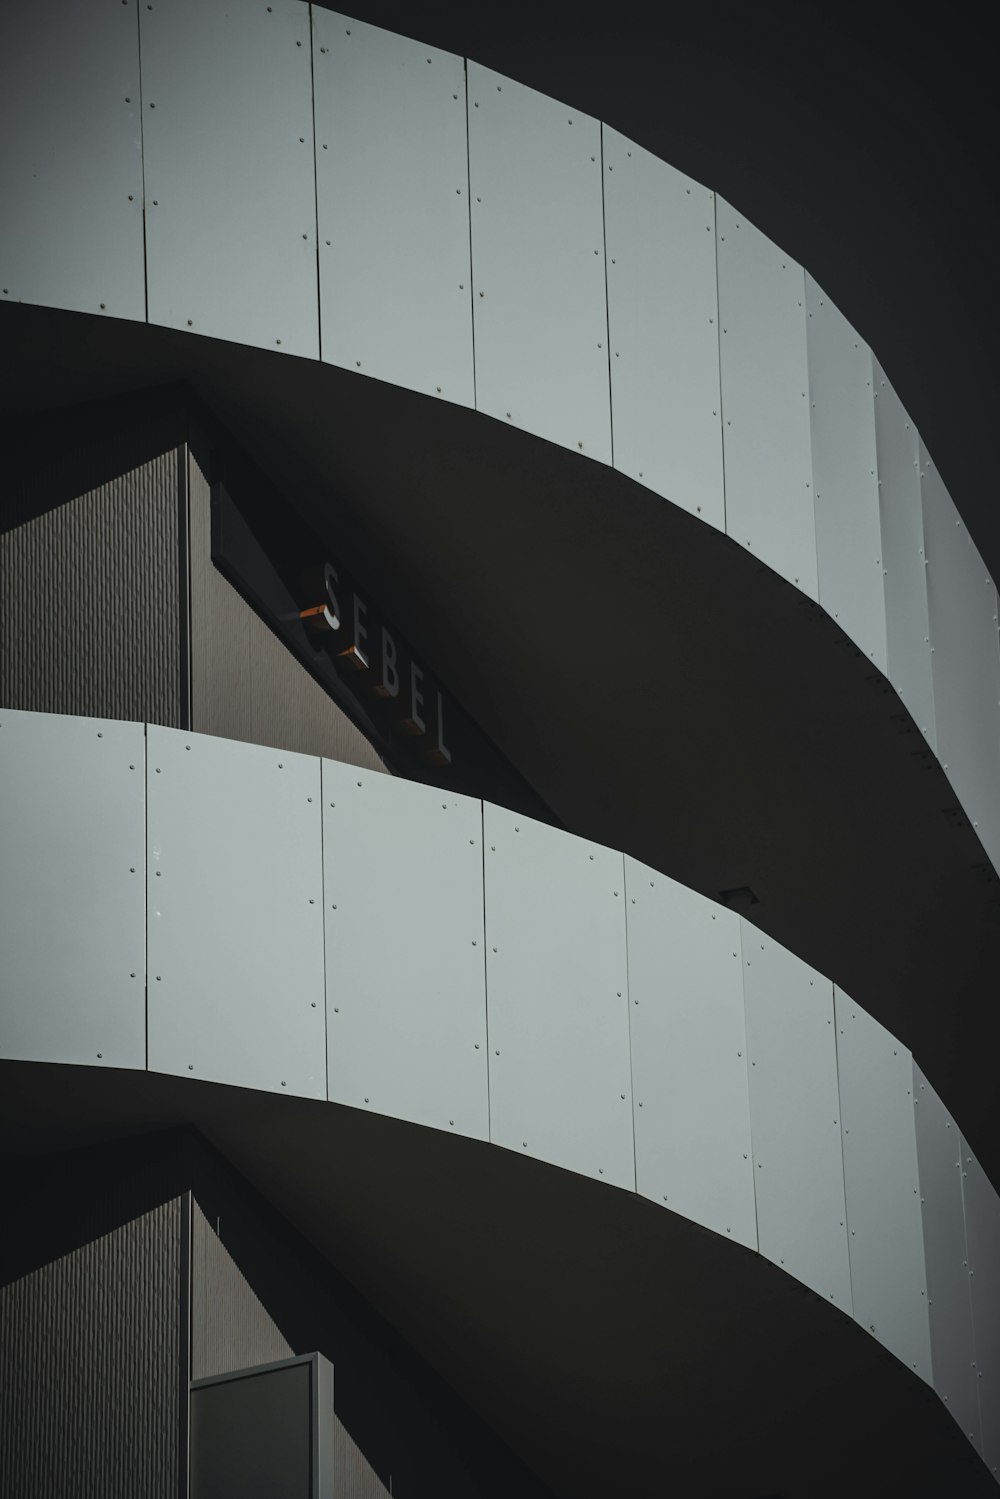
<point>354,656</point>
<point>414,724</point>
<point>325,616</point>
<point>438,753</point>
<point>388,683</point>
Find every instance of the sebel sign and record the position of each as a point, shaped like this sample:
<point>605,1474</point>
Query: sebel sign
<point>343,624</point>
<point>338,632</point>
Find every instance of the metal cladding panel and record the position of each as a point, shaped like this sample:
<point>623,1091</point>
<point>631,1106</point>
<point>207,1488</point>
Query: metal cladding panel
<point>982,1232</point>
<point>392,177</point>
<point>557,998</point>
<point>689,1054</point>
<point>888,1278</point>
<point>765,405</point>
<point>230,171</point>
<point>540,300</point>
<point>904,570</point>
<point>235,902</point>
<point>794,1117</point>
<point>965,659</point>
<point>71,158</point>
<point>405,972</point>
<point>72,903</point>
<point>845,475</point>
<point>953,1356</point>
<point>663,321</point>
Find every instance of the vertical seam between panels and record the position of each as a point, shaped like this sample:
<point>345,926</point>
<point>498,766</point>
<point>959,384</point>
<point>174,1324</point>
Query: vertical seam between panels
<point>322,886</point>
<point>486,979</point>
<point>184,549</point>
<point>628,1018</point>
<point>812,467</point>
<point>312,99</point>
<point>843,1162</point>
<point>142,168</point>
<point>607,303</point>
<point>145,881</point>
<point>746,1030</point>
<point>184,1362</point>
<point>968,1285</point>
<point>472,273</point>
<point>722,418</point>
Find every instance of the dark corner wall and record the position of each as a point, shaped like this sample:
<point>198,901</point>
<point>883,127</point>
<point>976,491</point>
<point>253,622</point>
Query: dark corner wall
<point>140,1265</point>
<point>111,605</point>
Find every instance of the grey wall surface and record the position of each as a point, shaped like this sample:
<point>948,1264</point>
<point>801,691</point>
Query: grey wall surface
<point>90,1355</point>
<point>92,587</point>
<point>245,683</point>
<point>230,1326</point>
<point>591,1017</point>
<point>238,191</point>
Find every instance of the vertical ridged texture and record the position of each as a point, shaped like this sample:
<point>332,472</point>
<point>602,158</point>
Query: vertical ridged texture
<point>245,683</point>
<point>89,1349</point>
<point>90,607</point>
<point>353,1475</point>
<point>230,1327</point>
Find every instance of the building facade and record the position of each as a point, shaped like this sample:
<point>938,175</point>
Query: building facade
<point>499,806</point>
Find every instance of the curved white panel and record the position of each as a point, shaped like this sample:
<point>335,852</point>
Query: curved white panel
<point>556,974</point>
<point>794,1117</point>
<point>237,884</point>
<point>689,1054</point>
<point>70,235</point>
<point>888,1278</point>
<point>235,892</point>
<point>538,264</point>
<point>72,897</point>
<point>982,1227</point>
<point>229,166</point>
<point>953,1354</point>
<point>765,390</point>
<point>392,174</point>
<point>903,564</point>
<point>663,322</point>
<point>405,965</point>
<point>845,475</point>
<point>965,659</point>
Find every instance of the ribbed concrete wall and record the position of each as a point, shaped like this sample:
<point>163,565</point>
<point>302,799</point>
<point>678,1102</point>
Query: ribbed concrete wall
<point>245,683</point>
<point>89,1366</point>
<point>91,605</point>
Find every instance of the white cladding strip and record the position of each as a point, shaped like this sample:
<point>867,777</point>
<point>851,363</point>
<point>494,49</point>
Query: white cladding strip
<point>845,475</point>
<point>289,235</point>
<point>395,275</point>
<point>888,1277</point>
<point>263,902</point>
<point>953,1352</point>
<point>538,269</point>
<point>71,235</point>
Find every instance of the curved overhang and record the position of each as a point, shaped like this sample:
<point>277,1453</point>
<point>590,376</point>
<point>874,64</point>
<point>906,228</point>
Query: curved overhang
<point>761,724</point>
<point>194,923</point>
